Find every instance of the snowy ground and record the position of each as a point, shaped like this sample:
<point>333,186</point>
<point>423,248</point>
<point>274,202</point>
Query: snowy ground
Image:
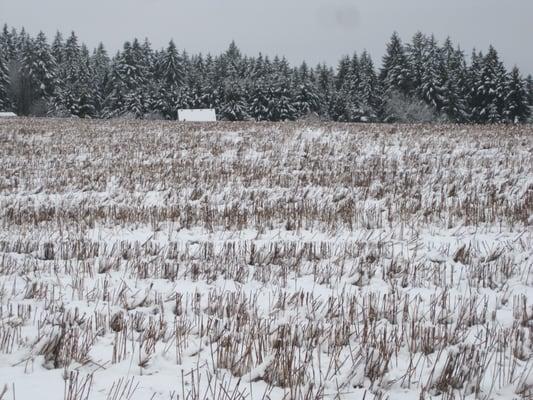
<point>265,261</point>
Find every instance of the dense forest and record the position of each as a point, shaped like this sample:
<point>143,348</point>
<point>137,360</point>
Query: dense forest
<point>419,81</point>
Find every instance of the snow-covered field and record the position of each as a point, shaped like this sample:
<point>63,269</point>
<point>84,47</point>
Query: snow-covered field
<point>265,261</point>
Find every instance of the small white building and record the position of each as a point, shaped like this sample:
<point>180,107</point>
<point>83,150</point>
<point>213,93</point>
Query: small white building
<point>197,115</point>
<point>6,114</point>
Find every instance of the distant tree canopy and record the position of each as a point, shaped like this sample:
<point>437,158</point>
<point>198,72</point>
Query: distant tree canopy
<point>418,81</point>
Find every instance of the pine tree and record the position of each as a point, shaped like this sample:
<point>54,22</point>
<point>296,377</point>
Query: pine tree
<point>57,48</point>
<point>306,97</point>
<point>517,107</point>
<point>347,105</point>
<point>5,101</point>
<point>325,79</point>
<point>73,95</point>
<point>395,73</point>
<point>7,44</point>
<point>234,107</point>
<point>278,100</point>
<point>417,59</point>
<point>172,90</point>
<point>431,90</point>
<point>196,83</point>
<point>369,90</point>
<point>529,88</point>
<point>454,78</point>
<point>41,66</point>
<point>492,88</point>
<point>172,72</point>
<point>343,70</point>
<point>475,99</point>
<point>101,68</point>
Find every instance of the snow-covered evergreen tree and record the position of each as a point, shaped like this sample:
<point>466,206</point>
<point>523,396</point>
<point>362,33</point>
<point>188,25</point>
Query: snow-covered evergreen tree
<point>7,44</point>
<point>517,107</point>
<point>417,58</point>
<point>529,88</point>
<point>475,98</point>
<point>57,48</point>
<point>395,73</point>
<point>306,96</point>
<point>368,89</point>
<point>491,88</point>
<point>234,106</point>
<point>454,78</point>
<point>431,90</point>
<point>73,95</point>
<point>5,101</point>
<point>325,81</point>
<point>100,67</point>
<point>172,91</point>
<point>40,65</point>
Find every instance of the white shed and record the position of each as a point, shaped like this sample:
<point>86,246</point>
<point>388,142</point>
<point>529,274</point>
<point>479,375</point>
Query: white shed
<point>197,115</point>
<point>6,114</point>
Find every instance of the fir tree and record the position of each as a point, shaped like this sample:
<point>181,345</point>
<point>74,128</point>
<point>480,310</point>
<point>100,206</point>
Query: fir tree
<point>5,101</point>
<point>325,79</point>
<point>343,70</point>
<point>57,48</point>
<point>431,90</point>
<point>307,99</point>
<point>417,58</point>
<point>100,67</point>
<point>529,89</point>
<point>454,77</point>
<point>234,107</point>
<point>7,44</point>
<point>517,107</point>
<point>171,68</point>
<point>73,94</point>
<point>395,73</point>
<point>40,65</point>
<point>491,89</point>
<point>172,91</point>
<point>368,89</point>
<point>475,98</point>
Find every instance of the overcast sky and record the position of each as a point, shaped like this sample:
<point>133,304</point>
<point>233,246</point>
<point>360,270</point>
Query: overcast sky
<point>311,30</point>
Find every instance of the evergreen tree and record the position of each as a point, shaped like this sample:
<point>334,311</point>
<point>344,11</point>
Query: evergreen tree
<point>7,44</point>
<point>529,88</point>
<point>40,65</point>
<point>100,66</point>
<point>395,73</point>
<point>306,97</point>
<point>73,93</point>
<point>516,101</point>
<point>343,70</point>
<point>454,77</point>
<point>475,99</point>
<point>491,89</point>
<point>431,90</point>
<point>5,101</point>
<point>172,91</point>
<point>234,107</point>
<point>171,68</point>
<point>325,79</point>
<point>417,59</point>
<point>57,48</point>
<point>369,90</point>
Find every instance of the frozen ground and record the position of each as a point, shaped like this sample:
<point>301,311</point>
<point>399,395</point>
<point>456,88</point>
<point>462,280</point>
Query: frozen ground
<point>265,261</point>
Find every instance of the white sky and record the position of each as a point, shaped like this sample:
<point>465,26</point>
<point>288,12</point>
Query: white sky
<point>311,30</point>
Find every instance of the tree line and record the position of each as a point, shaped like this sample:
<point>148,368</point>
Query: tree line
<point>419,81</point>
